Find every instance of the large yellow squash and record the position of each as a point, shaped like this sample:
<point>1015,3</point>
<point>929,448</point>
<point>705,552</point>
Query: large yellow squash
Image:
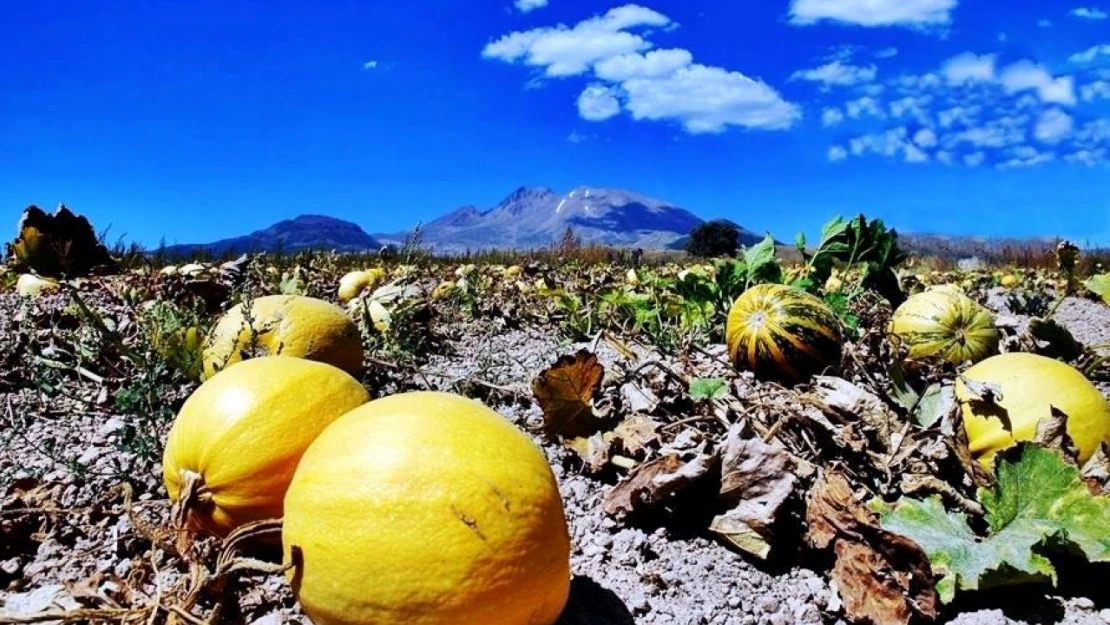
<point>239,436</point>
<point>426,509</point>
<point>286,325</point>
<point>1030,386</point>
<point>945,323</point>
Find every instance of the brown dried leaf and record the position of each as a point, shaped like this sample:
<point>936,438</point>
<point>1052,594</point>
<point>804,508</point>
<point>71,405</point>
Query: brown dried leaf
<point>1097,470</point>
<point>566,394</point>
<point>1053,432</point>
<point>595,451</point>
<point>653,481</point>
<point>637,434</point>
<point>845,402</point>
<point>883,578</point>
<point>756,480</point>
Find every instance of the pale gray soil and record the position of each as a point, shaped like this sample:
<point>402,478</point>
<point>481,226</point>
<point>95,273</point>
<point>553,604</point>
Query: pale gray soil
<point>624,575</point>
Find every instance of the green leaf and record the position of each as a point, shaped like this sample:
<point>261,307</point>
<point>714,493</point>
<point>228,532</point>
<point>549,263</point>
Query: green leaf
<point>1100,286</point>
<point>703,389</point>
<point>800,242</point>
<point>1038,502</point>
<point>833,229</point>
<point>760,255</point>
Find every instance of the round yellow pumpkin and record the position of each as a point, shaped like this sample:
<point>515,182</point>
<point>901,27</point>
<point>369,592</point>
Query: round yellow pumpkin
<point>1030,386</point>
<point>945,323</point>
<point>426,509</point>
<point>354,283</point>
<point>239,436</point>
<point>285,325</point>
<point>781,332</point>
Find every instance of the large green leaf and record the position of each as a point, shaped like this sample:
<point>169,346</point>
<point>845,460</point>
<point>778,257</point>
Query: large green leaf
<point>1100,285</point>
<point>1038,501</point>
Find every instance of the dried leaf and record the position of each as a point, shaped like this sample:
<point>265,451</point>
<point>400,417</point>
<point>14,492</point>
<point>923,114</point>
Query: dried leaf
<point>639,398</point>
<point>637,433</point>
<point>1097,470</point>
<point>937,402</point>
<point>566,394</point>
<point>848,403</point>
<point>651,482</point>
<point>595,451</point>
<point>1053,432</point>
<point>883,578</point>
<point>756,480</point>
<point>1054,340</point>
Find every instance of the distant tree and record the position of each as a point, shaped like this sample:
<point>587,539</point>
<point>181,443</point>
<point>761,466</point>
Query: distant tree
<point>570,242</point>
<point>712,239</point>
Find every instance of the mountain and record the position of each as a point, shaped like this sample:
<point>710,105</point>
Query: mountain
<point>305,232</point>
<point>535,217</point>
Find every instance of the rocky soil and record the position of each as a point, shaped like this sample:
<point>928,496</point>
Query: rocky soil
<point>67,535</point>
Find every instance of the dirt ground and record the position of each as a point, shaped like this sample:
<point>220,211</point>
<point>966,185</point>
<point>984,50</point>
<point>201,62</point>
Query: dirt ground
<point>73,449</point>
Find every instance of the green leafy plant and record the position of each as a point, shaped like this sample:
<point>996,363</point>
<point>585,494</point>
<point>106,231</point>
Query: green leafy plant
<point>1039,503</point>
<point>863,243</point>
<point>706,389</point>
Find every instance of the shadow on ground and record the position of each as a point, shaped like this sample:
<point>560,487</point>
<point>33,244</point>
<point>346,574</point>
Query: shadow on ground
<point>592,604</point>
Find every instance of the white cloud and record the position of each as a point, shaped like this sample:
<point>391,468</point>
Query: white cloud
<point>837,73</point>
<point>566,51</point>
<point>1090,13</point>
<point>886,53</point>
<point>1003,37</point>
<point>944,157</point>
<point>598,103</point>
<point>974,159</point>
<point>1026,75</point>
<point>916,107</point>
<point>831,117</point>
<point>577,137</point>
<point>1053,126</point>
<point>1026,156</point>
<point>913,13</point>
<point>654,64</point>
<point>1044,23</point>
<point>837,153</point>
<point>925,138</point>
<point>370,65</point>
<point>959,116</point>
<point>709,99</point>
<point>524,6</point>
<point>1098,90</point>
<point>915,154</point>
<point>651,85</point>
<point>1090,158</point>
<point>1090,54</point>
<point>864,106</point>
<point>969,67</point>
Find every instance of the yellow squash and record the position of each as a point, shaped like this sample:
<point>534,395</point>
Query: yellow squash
<point>286,325</point>
<point>426,509</point>
<point>945,323</point>
<point>354,283</point>
<point>239,437</point>
<point>1030,386</point>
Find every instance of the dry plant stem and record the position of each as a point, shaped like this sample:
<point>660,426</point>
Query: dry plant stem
<point>75,616</point>
<point>194,494</point>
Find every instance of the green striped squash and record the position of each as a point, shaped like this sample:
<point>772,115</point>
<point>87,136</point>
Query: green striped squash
<point>782,333</point>
<point>945,323</point>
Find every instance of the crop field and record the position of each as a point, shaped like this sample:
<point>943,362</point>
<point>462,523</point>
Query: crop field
<point>841,434</point>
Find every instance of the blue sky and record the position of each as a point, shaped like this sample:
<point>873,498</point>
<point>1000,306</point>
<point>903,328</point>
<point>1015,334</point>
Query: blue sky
<point>203,119</point>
